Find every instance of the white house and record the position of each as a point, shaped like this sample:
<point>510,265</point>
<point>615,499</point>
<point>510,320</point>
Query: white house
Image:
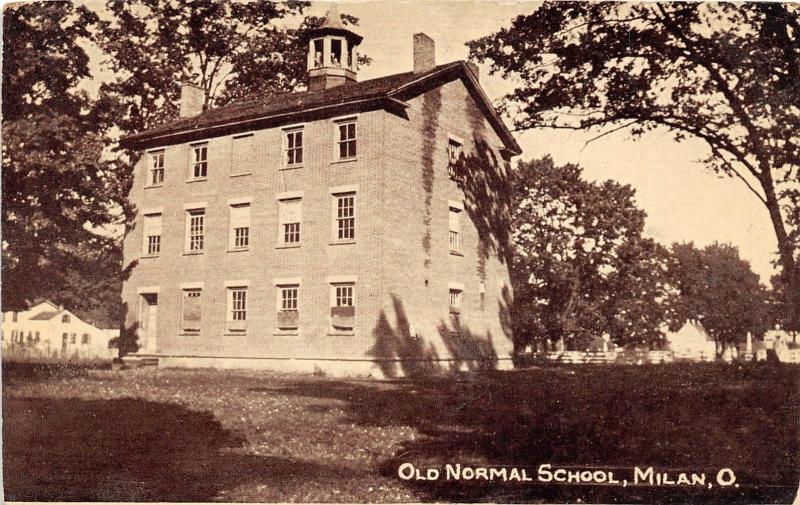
<point>48,331</point>
<point>692,342</point>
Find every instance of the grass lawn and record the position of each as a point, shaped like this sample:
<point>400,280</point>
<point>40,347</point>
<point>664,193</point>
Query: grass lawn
<point>204,435</point>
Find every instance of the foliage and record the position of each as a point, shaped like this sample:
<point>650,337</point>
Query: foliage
<point>58,190</point>
<point>582,267</point>
<point>725,73</point>
<point>717,287</point>
<point>230,49</point>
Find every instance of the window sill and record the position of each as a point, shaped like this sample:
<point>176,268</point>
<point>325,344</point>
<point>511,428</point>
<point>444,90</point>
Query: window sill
<point>193,253</point>
<point>229,333</point>
<point>149,256</point>
<point>348,333</point>
<point>291,167</point>
<point>344,160</point>
<point>239,249</point>
<point>189,334</point>
<point>151,186</point>
<point>287,333</point>
<point>288,246</point>
<point>456,253</point>
<point>342,242</point>
<point>200,179</point>
<point>242,174</point>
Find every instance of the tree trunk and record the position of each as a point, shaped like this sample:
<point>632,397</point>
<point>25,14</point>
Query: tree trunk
<point>790,274</point>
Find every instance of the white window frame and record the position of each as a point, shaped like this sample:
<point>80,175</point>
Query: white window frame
<point>292,131</point>
<point>147,244</point>
<point>288,198</point>
<point>186,290</point>
<point>156,166</point>
<point>232,323</point>
<point>250,157</point>
<point>338,220</point>
<point>195,163</point>
<point>453,155</point>
<point>454,238</point>
<point>239,203</point>
<point>337,284</point>
<point>456,300</point>
<point>193,211</point>
<point>338,123</point>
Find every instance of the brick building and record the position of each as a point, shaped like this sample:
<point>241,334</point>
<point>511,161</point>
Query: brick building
<point>356,228</point>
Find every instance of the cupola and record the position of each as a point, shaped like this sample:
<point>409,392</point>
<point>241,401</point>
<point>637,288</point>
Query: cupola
<point>332,53</point>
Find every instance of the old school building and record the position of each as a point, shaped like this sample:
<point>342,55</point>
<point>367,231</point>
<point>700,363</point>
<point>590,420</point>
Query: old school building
<point>356,227</point>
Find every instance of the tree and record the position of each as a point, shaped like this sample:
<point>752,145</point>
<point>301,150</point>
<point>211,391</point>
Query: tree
<point>719,288</point>
<point>58,191</point>
<point>581,267</point>
<point>725,73</point>
<point>230,49</point>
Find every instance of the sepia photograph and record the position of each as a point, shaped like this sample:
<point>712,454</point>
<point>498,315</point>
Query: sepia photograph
<point>420,251</point>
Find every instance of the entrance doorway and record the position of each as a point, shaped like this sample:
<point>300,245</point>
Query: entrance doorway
<point>148,322</point>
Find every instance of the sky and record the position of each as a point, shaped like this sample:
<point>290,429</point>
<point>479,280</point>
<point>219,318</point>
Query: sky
<point>683,200</point>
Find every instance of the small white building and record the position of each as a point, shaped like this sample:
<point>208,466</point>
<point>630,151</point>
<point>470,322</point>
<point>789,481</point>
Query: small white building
<point>691,342</point>
<point>46,330</point>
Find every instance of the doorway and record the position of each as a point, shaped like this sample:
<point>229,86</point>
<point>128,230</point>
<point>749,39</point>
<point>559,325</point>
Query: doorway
<point>148,322</point>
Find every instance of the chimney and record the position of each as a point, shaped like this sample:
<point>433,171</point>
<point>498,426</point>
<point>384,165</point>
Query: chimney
<point>191,99</point>
<point>424,53</point>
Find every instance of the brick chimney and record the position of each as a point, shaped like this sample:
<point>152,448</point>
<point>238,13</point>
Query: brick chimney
<point>424,53</point>
<point>192,97</point>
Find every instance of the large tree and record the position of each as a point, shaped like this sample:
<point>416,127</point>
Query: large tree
<point>232,50</point>
<point>725,73</point>
<point>60,195</point>
<point>581,267</point>
<point>719,288</point>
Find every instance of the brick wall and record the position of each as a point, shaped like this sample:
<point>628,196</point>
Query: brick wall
<point>397,160</point>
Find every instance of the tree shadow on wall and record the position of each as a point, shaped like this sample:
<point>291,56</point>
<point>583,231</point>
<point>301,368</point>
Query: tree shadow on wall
<point>468,350</point>
<point>398,352</point>
<point>485,181</point>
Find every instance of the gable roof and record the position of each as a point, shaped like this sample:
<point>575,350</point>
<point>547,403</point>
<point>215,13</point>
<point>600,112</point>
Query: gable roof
<point>45,316</point>
<point>384,92</point>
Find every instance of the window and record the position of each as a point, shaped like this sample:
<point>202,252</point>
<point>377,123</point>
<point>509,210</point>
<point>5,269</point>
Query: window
<point>240,226</point>
<point>200,165</point>
<point>85,339</point>
<point>14,317</point>
<point>455,230</point>
<point>243,155</point>
<point>195,226</point>
<point>318,53</point>
<point>346,217</point>
<point>290,213</point>
<point>65,319</point>
<point>73,338</point>
<point>156,175</point>
<point>455,301</point>
<point>237,309</point>
<point>454,151</point>
<point>336,53</point>
<point>152,234</point>
<point>288,307</point>
<point>293,147</point>
<point>343,306</point>
<point>347,139</point>
<point>38,337</point>
<point>192,310</point>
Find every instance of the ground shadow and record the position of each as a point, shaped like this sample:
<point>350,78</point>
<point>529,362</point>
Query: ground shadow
<point>695,418</point>
<point>130,450</point>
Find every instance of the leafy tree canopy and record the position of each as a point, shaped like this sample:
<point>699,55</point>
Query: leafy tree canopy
<point>719,288</point>
<point>232,50</point>
<point>57,188</point>
<point>725,73</point>
<point>581,267</point>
